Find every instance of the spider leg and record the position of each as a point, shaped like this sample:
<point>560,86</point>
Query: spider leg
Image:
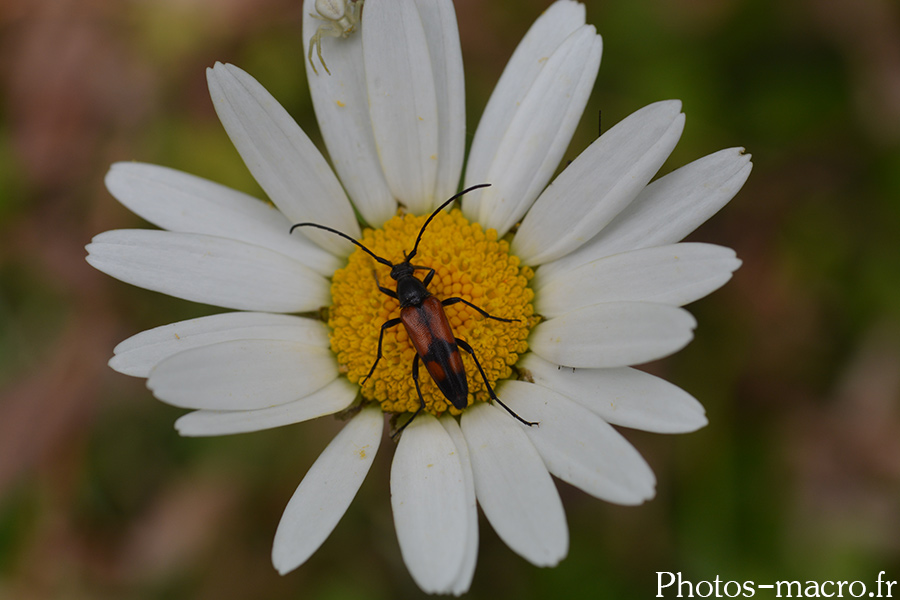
<point>315,42</point>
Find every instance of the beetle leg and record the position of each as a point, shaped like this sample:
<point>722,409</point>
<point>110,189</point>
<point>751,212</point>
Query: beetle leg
<point>465,346</point>
<point>387,325</point>
<point>484,313</point>
<point>415,377</point>
<point>428,277</point>
<point>384,290</point>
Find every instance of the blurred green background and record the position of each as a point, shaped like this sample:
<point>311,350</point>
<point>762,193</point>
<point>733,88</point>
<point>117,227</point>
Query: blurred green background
<point>797,360</point>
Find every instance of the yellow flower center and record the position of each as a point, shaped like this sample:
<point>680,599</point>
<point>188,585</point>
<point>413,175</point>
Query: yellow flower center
<point>469,263</point>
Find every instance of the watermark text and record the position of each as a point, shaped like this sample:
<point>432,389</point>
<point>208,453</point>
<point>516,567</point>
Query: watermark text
<point>674,585</point>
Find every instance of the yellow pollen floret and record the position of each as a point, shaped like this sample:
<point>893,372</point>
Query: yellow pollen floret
<point>469,263</point>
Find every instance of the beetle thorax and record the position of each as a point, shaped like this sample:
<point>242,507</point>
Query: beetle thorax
<point>411,291</point>
<point>401,270</point>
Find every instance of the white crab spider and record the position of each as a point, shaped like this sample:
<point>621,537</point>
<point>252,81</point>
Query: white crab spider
<point>341,18</point>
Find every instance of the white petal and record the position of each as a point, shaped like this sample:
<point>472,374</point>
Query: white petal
<point>463,580</point>
<point>550,30</point>
<point>668,209</point>
<point>242,374</point>
<point>334,397</point>
<point>673,206</point>
<point>539,132</point>
<point>428,497</point>
<point>140,353</point>
<point>210,270</point>
<point>327,490</point>
<point>614,334</point>
<point>181,202</point>
<point>342,109</point>
<point>677,274</point>
<point>281,157</point>
<point>601,182</point>
<point>442,34</point>
<point>515,490</point>
<point>402,100</point>
<point>579,447</point>
<point>622,396</point>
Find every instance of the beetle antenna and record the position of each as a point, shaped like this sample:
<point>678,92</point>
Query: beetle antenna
<point>383,261</point>
<point>436,211</point>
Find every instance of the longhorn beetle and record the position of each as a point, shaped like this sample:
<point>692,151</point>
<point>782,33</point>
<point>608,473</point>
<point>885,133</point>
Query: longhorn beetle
<point>426,324</point>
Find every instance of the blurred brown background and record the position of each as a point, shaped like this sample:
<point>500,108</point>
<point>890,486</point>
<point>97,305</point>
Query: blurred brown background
<point>797,360</point>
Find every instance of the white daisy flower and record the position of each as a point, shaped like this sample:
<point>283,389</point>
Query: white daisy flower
<point>590,266</point>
